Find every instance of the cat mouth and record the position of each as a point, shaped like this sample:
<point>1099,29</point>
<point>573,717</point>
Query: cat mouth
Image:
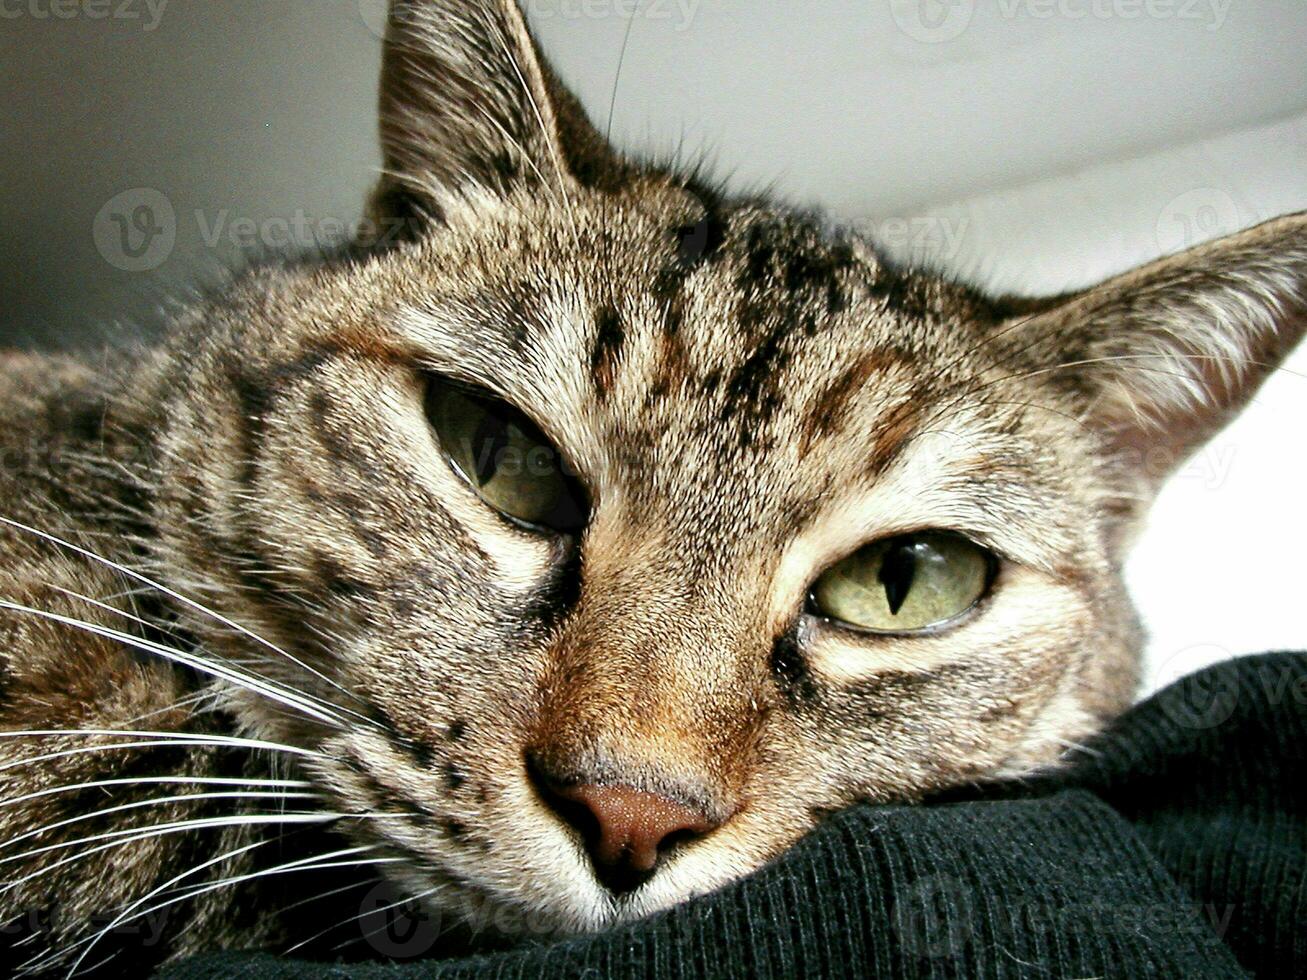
<point>547,850</point>
<point>549,887</point>
<point>480,908</point>
<point>508,867</point>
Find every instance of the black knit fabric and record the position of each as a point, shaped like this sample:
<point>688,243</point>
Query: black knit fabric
<point>1175,847</point>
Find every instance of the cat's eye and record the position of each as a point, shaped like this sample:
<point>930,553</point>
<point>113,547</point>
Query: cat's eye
<point>506,459</point>
<point>905,584</point>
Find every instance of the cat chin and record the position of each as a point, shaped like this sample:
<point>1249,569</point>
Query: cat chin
<point>487,913</point>
<point>566,901</point>
<point>700,873</point>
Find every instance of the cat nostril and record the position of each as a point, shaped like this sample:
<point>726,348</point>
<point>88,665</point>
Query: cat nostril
<point>625,829</point>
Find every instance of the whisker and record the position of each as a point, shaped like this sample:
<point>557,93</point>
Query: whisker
<point>1077,747</point>
<point>1084,362</point>
<point>54,957</point>
<point>177,596</point>
<point>318,862</point>
<point>318,897</point>
<point>158,780</point>
<point>157,801</point>
<point>85,750</point>
<point>148,739</point>
<point>369,934</point>
<point>130,835</point>
<point>190,700</point>
<point>115,610</point>
<point>355,918</point>
<point>617,75</point>
<point>546,136</point>
<point>266,688</point>
<point>304,694</point>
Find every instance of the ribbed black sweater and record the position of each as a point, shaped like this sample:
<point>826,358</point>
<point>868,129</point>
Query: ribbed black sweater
<point>1175,847</point>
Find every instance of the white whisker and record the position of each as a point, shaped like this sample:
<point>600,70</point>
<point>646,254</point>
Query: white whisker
<point>159,780</point>
<point>112,609</point>
<point>355,918</point>
<point>317,862</point>
<point>266,688</point>
<point>157,801</point>
<point>117,838</point>
<point>190,700</point>
<point>124,915</point>
<point>136,619</point>
<point>385,908</point>
<point>144,739</point>
<point>177,596</point>
<point>327,705</point>
<point>54,957</point>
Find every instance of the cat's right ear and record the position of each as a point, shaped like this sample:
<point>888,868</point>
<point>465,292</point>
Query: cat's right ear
<point>469,105</point>
<point>1161,358</point>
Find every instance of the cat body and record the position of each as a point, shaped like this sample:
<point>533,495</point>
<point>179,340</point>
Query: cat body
<point>249,541</point>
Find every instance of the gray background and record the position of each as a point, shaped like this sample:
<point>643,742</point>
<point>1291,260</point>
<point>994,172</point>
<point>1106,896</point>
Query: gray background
<point>1027,144</point>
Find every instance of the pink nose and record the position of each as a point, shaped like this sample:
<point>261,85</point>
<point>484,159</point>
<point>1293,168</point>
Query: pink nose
<point>625,829</point>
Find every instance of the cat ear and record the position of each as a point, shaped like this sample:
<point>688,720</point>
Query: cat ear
<point>1167,354</point>
<point>467,102</point>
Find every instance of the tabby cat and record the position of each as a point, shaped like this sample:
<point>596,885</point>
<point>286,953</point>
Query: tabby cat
<point>573,551</point>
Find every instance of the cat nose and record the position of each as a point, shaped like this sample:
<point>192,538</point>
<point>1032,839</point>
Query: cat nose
<point>626,830</point>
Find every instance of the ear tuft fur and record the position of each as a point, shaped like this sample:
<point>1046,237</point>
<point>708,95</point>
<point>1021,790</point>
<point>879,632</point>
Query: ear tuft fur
<point>1171,351</point>
<point>469,106</point>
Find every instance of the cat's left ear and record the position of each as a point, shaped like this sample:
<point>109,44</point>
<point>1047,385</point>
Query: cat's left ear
<point>1162,357</point>
<point>469,104</point>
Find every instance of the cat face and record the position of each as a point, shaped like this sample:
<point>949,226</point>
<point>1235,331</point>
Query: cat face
<point>629,529</point>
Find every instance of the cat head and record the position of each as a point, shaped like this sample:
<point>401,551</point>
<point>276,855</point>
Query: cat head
<point>626,528</point>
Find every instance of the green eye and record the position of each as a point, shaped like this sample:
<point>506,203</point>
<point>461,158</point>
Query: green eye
<point>905,584</point>
<point>506,460</point>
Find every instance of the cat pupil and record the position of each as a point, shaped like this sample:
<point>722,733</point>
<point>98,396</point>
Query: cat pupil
<point>492,439</point>
<point>897,570</point>
<point>500,453</point>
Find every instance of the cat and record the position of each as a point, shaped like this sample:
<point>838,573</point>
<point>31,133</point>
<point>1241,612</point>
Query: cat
<point>573,551</point>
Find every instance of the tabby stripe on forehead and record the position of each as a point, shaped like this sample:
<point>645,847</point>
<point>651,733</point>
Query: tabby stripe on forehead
<point>754,388</point>
<point>673,366</point>
<point>895,429</point>
<point>830,410</point>
<point>606,354</point>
